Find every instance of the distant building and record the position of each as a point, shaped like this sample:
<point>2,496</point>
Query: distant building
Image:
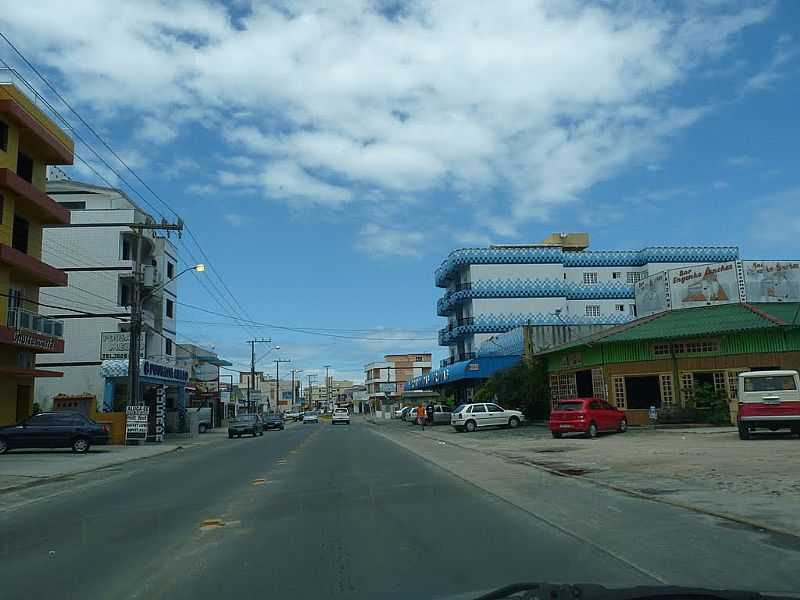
<point>386,379</point>
<point>556,282</point>
<point>29,141</point>
<point>272,395</point>
<point>203,365</point>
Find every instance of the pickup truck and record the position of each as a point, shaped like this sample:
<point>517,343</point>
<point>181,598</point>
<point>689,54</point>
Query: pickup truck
<point>768,400</point>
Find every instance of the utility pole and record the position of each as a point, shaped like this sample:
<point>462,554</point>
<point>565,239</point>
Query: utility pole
<point>327,387</point>
<point>251,382</point>
<point>134,348</point>
<point>301,383</point>
<point>278,362</point>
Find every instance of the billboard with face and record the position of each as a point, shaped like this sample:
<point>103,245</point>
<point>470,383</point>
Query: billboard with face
<point>772,281</point>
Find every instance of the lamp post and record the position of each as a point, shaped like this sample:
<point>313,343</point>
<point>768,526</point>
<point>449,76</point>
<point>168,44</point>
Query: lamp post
<point>136,327</point>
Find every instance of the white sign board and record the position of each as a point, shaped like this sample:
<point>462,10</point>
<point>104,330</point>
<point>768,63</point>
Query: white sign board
<point>161,412</point>
<point>114,345</point>
<point>652,294</point>
<point>205,372</point>
<point>136,423</point>
<point>704,285</point>
<point>772,281</point>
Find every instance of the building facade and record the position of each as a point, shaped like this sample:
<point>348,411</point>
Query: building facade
<point>557,282</point>
<point>386,380</point>
<point>203,366</point>
<point>657,361</point>
<point>29,141</point>
<point>272,394</point>
<point>100,262</point>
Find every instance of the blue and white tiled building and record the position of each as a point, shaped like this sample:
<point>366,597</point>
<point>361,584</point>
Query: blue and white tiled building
<point>558,282</point>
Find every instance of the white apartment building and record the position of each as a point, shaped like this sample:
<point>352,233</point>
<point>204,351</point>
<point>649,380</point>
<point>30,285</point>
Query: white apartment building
<point>556,282</point>
<point>99,261</point>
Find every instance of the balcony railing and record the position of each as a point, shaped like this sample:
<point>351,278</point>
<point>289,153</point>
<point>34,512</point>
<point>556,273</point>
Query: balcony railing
<point>24,319</point>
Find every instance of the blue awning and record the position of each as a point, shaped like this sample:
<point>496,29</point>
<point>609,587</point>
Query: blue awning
<point>477,368</point>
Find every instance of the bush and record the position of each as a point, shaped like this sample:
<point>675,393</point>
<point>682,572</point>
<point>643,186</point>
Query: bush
<point>711,405</point>
<point>523,387</point>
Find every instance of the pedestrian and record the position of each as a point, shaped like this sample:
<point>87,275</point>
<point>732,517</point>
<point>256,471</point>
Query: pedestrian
<point>421,416</point>
<point>429,413</point>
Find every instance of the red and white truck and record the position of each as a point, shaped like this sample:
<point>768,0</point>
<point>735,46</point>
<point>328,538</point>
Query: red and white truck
<point>768,400</point>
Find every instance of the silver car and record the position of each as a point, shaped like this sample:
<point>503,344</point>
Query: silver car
<point>470,417</point>
<point>310,417</point>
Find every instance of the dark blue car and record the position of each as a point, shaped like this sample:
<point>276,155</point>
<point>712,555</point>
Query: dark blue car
<point>61,429</point>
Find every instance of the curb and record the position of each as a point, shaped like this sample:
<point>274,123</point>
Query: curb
<point>634,493</point>
<point>64,476</point>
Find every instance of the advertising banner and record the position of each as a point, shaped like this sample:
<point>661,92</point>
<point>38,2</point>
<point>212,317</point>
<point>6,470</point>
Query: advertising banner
<point>704,285</point>
<point>387,387</point>
<point>114,345</point>
<point>772,281</point>
<point>652,294</point>
<point>161,412</point>
<point>136,422</point>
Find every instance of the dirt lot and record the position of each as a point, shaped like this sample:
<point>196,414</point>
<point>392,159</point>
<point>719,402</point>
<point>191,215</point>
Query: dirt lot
<point>709,468</point>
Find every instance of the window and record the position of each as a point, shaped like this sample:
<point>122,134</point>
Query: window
<point>73,205</point>
<point>419,359</point>
<point>634,276</point>
<point>592,310</point>
<point>595,405</point>
<point>666,390</point>
<point>619,392</point>
<point>590,278</point>
<point>772,383</point>
<point>124,296</point>
<point>3,136</point>
<point>25,166</point>
<point>42,419</point>
<point>478,408</point>
<point>619,307</point>
<point>616,275</point>
<point>170,309</point>
<point>168,347</point>
<point>126,250</point>
<point>632,309</point>
<point>494,408</point>
<point>19,236</point>
<point>170,270</point>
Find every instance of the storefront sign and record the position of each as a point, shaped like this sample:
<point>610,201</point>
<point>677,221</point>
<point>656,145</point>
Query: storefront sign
<point>114,345</point>
<point>704,285</point>
<point>205,372</point>
<point>387,387</point>
<point>161,412</point>
<point>772,281</point>
<point>151,369</point>
<point>136,424</point>
<point>34,340</point>
<point>652,294</point>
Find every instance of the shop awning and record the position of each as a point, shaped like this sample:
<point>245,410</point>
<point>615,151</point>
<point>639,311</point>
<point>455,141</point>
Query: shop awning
<point>478,368</point>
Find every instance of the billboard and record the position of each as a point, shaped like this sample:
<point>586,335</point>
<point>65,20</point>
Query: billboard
<point>387,388</point>
<point>652,294</point>
<point>771,281</point>
<point>205,377</point>
<point>114,345</point>
<point>704,285</point>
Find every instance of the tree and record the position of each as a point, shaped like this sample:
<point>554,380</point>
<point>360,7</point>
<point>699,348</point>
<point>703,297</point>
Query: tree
<point>523,387</point>
<point>711,405</point>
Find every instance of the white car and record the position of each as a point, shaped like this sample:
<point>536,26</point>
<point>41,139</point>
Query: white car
<point>398,414</point>
<point>469,417</point>
<point>310,417</point>
<point>340,415</point>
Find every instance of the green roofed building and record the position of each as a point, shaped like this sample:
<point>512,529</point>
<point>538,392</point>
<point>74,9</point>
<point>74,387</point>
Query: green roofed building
<point>659,359</point>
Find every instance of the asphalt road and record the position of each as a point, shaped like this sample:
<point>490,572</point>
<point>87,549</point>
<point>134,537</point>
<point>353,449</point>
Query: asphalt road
<point>313,511</point>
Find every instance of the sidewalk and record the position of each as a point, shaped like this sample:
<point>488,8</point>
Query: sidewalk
<point>24,468</point>
<point>704,469</point>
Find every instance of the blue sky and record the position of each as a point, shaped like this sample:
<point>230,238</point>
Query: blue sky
<point>327,159</point>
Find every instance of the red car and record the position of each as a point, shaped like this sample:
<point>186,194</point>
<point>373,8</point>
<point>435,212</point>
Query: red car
<point>589,416</point>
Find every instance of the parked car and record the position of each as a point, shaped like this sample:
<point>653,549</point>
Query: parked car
<point>441,414</point>
<point>768,400</point>
<point>340,415</point>
<point>273,422</point>
<point>310,417</point>
<point>398,413</point>
<point>469,417</point>
<point>293,416</point>
<point>245,424</point>
<point>411,415</point>
<point>204,419</point>
<point>405,411</point>
<point>58,429</point>
<point>588,416</point>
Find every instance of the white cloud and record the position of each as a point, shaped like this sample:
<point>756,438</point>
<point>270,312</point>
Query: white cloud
<point>327,105</point>
<point>235,219</point>
<point>156,130</point>
<point>775,69</point>
<point>377,239</point>
<point>471,238</point>
<point>201,189</point>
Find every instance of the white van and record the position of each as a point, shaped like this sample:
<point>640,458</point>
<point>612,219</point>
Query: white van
<point>768,400</point>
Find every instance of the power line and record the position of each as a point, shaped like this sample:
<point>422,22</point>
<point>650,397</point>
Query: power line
<point>120,177</point>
